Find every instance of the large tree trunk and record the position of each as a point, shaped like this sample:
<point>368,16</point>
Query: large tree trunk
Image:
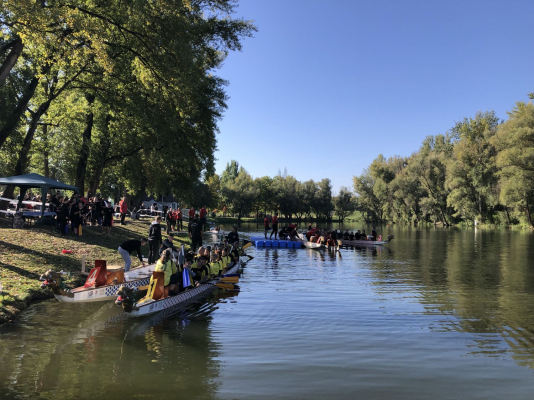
<point>22,162</point>
<point>10,60</point>
<point>14,118</point>
<point>84,152</point>
<point>46,165</point>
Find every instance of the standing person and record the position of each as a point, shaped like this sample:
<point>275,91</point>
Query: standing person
<point>127,248</point>
<point>123,208</point>
<point>275,226</point>
<point>74,215</point>
<point>179,219</point>
<point>266,225</point>
<point>168,219</point>
<point>63,216</point>
<point>374,234</point>
<point>203,221</point>
<point>164,209</point>
<point>195,233</point>
<point>191,214</point>
<point>108,217</point>
<point>154,240</point>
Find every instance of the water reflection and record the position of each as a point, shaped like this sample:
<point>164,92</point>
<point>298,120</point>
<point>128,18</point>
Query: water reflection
<point>87,352</point>
<point>438,313</point>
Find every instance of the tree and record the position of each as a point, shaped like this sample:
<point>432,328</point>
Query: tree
<point>472,170</point>
<point>322,204</point>
<point>241,193</point>
<point>515,142</point>
<point>344,203</point>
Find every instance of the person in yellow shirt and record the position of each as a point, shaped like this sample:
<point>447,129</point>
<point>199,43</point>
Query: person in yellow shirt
<point>165,265</point>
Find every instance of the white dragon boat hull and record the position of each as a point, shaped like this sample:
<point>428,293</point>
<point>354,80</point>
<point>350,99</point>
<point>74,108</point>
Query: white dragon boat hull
<point>133,278</point>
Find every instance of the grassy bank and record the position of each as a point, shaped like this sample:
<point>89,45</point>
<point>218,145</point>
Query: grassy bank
<point>26,253</point>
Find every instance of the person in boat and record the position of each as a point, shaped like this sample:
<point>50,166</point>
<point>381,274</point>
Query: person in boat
<point>215,265</point>
<point>234,253</point>
<point>226,259</point>
<point>351,235</point>
<point>200,269</point>
<point>363,235</point>
<point>358,235</point>
<point>310,227</point>
<point>154,240</point>
<point>374,234</point>
<point>128,247</point>
<point>233,236</point>
<point>275,226</point>
<point>315,238</point>
<point>188,270</point>
<point>165,265</point>
<point>346,235</point>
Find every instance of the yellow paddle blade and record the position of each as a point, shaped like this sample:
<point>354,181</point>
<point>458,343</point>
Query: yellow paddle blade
<point>247,245</point>
<point>227,286</point>
<point>230,279</point>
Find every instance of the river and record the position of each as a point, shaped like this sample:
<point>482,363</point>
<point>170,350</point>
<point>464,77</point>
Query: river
<point>437,313</point>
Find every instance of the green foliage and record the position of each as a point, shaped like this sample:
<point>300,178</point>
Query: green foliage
<point>150,68</point>
<point>240,192</point>
<point>344,203</point>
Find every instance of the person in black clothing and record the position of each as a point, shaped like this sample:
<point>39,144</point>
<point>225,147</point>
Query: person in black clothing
<point>63,215</point>
<point>154,240</point>
<point>108,218</point>
<point>128,247</point>
<point>74,215</point>
<point>374,234</point>
<point>165,208</point>
<point>167,244</point>
<point>195,233</point>
<point>233,236</point>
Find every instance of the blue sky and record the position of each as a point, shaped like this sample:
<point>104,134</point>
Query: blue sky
<point>326,86</point>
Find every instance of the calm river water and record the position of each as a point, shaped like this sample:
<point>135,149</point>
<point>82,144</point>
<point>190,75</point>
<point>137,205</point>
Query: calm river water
<point>441,314</point>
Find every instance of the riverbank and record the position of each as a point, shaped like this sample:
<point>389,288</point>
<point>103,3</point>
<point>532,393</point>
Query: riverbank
<point>27,253</point>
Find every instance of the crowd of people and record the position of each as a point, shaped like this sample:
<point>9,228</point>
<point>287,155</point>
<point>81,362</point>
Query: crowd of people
<point>198,266</point>
<point>331,237</point>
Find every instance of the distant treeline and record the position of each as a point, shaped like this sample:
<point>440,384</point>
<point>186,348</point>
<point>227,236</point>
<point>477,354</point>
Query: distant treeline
<point>237,192</point>
<point>482,170</point>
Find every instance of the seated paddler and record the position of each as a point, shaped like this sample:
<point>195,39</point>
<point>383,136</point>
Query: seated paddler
<point>165,265</point>
<point>226,259</point>
<point>215,265</point>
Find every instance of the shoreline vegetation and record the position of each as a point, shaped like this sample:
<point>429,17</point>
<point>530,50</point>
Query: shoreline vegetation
<point>27,253</point>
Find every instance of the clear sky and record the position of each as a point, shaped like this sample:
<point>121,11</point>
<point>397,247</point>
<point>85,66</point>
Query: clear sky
<point>326,86</point>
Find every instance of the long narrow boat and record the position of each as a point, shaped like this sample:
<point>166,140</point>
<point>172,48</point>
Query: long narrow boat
<point>310,245</point>
<point>91,291</point>
<point>367,242</point>
<point>181,299</point>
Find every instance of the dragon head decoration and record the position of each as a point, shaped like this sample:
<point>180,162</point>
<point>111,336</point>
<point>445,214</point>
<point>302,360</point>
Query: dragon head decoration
<point>55,282</point>
<point>127,297</point>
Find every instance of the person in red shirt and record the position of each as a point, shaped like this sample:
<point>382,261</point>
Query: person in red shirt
<point>203,221</point>
<point>191,214</point>
<point>275,226</point>
<point>179,219</point>
<point>123,206</point>
<point>266,224</point>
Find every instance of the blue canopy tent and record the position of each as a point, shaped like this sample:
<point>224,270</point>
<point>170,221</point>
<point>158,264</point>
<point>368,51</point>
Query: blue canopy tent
<point>35,181</point>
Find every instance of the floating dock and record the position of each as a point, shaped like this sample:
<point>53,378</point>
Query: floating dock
<point>283,244</point>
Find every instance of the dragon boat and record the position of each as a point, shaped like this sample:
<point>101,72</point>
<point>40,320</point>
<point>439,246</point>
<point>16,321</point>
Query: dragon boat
<point>378,242</point>
<point>146,305</point>
<point>101,285</point>
<point>310,245</point>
